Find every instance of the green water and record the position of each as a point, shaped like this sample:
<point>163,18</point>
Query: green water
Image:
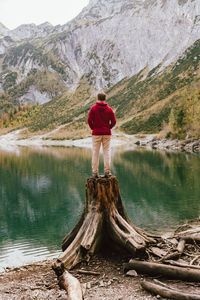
<point>42,195</point>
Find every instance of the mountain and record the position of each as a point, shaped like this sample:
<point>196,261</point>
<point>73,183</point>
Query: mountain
<point>30,31</point>
<point>108,42</point>
<point>148,102</point>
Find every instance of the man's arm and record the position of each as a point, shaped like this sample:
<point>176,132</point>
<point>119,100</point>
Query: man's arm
<point>91,119</point>
<point>112,119</point>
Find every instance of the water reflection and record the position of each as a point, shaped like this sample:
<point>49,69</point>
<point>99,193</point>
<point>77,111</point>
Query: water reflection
<point>42,194</point>
<point>159,189</point>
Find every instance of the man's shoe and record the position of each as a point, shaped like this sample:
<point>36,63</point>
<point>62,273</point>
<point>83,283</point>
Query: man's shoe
<point>107,174</point>
<point>95,175</point>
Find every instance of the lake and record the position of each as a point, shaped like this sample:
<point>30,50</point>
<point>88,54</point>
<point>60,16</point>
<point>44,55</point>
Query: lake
<point>42,195</point>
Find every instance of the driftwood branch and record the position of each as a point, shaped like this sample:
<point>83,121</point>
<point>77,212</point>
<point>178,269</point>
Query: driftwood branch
<point>71,285</point>
<point>176,254</point>
<point>194,259</point>
<point>164,270</point>
<point>183,265</point>
<point>167,292</point>
<point>93,273</point>
<point>191,234</point>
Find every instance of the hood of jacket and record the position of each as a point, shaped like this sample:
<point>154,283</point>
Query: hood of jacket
<point>101,106</point>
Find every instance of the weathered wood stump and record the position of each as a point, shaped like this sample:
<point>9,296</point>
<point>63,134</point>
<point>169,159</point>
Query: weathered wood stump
<point>104,223</point>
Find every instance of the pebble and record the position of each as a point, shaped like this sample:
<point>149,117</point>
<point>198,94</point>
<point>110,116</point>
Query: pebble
<point>101,283</point>
<point>132,273</point>
<point>88,285</point>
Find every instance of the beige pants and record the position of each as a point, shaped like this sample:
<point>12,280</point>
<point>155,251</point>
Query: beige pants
<point>97,140</point>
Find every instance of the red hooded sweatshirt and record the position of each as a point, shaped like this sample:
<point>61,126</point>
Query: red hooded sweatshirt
<point>101,119</point>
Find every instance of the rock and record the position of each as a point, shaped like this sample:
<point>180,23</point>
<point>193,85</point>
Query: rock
<point>101,283</point>
<point>158,252</point>
<point>167,235</point>
<point>34,96</point>
<point>88,285</point>
<point>155,143</point>
<point>137,143</point>
<point>173,241</point>
<point>132,273</point>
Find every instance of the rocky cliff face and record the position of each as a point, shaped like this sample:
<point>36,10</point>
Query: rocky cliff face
<point>107,41</point>
<point>27,31</point>
<point>123,37</point>
<point>31,31</point>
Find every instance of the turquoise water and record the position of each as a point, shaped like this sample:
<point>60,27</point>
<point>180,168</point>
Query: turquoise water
<point>42,195</point>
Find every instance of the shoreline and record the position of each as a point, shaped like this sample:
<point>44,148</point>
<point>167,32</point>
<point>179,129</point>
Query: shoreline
<point>38,281</point>
<point>12,140</point>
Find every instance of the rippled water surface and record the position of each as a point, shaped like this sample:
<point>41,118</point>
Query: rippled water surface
<point>42,195</point>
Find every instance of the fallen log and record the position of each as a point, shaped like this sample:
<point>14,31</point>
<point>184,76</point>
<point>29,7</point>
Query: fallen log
<point>174,272</point>
<point>166,292</point>
<point>71,285</point>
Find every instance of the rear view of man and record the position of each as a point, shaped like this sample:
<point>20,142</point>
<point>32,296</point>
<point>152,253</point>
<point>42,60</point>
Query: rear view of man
<point>101,120</point>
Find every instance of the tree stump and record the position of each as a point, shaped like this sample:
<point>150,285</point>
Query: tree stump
<point>104,223</point>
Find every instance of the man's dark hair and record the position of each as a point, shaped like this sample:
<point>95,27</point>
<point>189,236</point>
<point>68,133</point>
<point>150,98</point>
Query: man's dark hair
<point>101,96</point>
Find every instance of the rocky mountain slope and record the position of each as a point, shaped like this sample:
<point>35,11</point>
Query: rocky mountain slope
<point>108,42</point>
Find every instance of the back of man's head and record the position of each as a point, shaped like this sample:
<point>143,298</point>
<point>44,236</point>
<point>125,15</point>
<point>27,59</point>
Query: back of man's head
<point>101,96</point>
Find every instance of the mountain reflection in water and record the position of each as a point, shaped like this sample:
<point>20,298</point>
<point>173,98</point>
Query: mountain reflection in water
<point>42,195</point>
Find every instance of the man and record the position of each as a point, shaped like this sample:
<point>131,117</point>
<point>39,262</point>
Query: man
<point>101,120</point>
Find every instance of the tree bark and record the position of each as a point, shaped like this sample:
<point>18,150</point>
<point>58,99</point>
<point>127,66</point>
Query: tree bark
<point>175,272</point>
<point>103,218</point>
<point>167,292</point>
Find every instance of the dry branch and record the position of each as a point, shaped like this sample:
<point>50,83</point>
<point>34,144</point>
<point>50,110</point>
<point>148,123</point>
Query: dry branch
<point>175,272</point>
<point>194,259</point>
<point>176,254</point>
<point>172,255</point>
<point>166,292</point>
<point>183,265</point>
<point>71,285</point>
<point>191,234</point>
<point>192,237</point>
<point>193,230</point>
<point>89,272</point>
